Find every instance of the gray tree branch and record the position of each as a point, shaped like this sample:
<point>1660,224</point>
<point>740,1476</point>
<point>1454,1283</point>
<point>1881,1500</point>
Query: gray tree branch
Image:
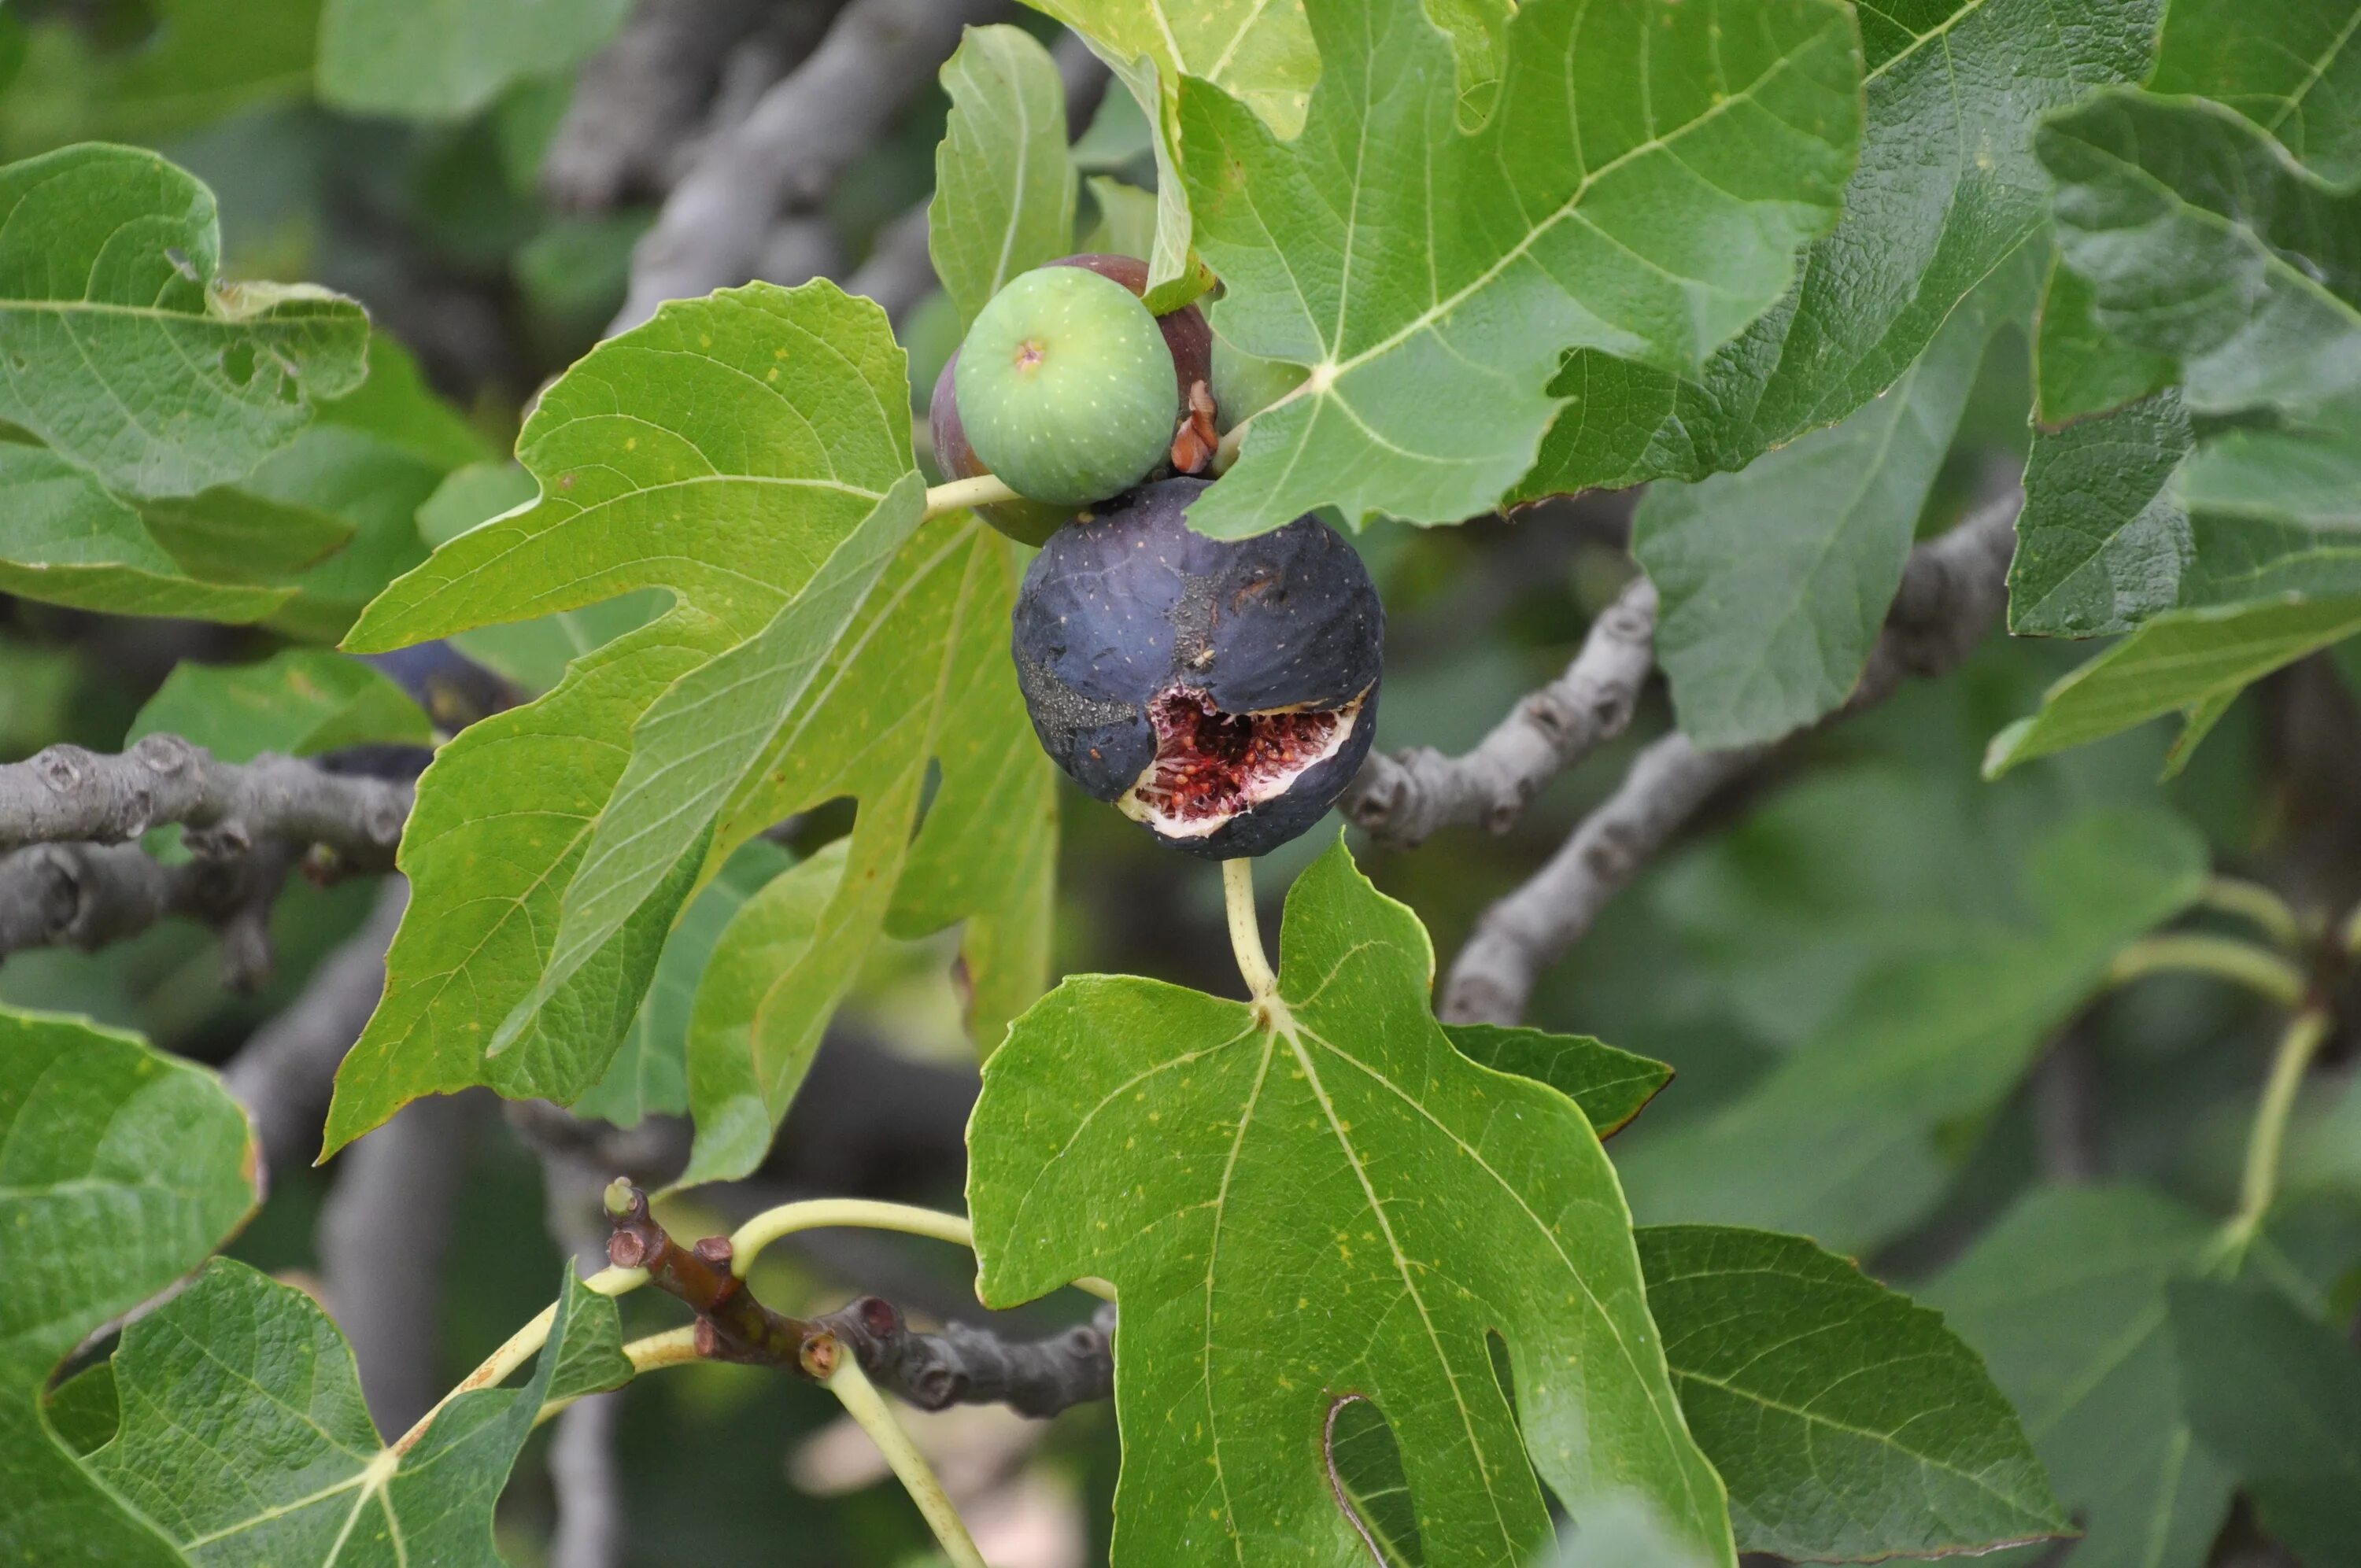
<point>66,794</point>
<point>800,139</point>
<point>382,1236</point>
<point>1951,592</point>
<point>78,881</point>
<point>1403,798</point>
<point>91,895</point>
<point>287,1069</point>
<point>641,99</point>
<point>964,1364</point>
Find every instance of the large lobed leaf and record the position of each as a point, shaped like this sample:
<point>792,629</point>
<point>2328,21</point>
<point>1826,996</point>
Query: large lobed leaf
<point>1641,187</point>
<point>1314,1201</point>
<point>1003,198</point>
<point>1775,582</point>
<point>750,453</point>
<point>1842,1139</point>
<point>2202,239</point>
<point>229,1426</point>
<point>1946,190</point>
<point>719,452</point>
<point>121,347</point>
<point>120,1169</point>
<point>2066,1298</point>
<point>1850,1424</point>
<point>243,1436</point>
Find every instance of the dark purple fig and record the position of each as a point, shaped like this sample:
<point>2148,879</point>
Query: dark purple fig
<point>1222,692</point>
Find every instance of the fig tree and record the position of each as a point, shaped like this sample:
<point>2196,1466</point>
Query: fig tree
<point>1065,387</point>
<point>1220,692</point>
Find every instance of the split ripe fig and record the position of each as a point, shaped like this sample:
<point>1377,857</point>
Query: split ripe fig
<point>1065,387</point>
<point>1220,691</point>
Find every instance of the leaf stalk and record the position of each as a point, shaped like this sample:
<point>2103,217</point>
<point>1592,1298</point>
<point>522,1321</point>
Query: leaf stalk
<point>849,1384</point>
<point>2260,1185</point>
<point>2253,902</point>
<point>747,1241</point>
<point>2224,957</point>
<point>520,1348</point>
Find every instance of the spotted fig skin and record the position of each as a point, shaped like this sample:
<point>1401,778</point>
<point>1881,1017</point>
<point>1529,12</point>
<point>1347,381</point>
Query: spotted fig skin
<point>1125,605</point>
<point>1027,523</point>
<point>1185,331</point>
<point>1186,335</point>
<point>1063,387</point>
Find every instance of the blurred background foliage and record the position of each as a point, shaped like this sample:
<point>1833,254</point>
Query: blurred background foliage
<point>1868,845</point>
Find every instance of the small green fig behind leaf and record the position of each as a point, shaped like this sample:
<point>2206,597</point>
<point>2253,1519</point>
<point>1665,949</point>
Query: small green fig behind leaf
<point>1246,384</point>
<point>1065,387</point>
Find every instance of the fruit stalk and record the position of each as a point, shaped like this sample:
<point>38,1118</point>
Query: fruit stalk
<point>1245,929</point>
<point>984,489</point>
<point>841,1372</point>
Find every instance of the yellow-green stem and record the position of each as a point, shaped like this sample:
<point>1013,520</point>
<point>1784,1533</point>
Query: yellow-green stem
<point>2261,1183</point>
<point>746,1243</point>
<point>861,1402</point>
<point>2253,902</point>
<point>520,1348</point>
<point>2353,932</point>
<point>984,489</point>
<point>2224,957</point>
<point>1245,930</point>
<point>674,1347</point>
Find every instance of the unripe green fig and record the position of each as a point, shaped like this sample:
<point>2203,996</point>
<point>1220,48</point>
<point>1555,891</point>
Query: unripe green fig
<point>1065,387</point>
<point>1246,384</point>
<point>1027,523</point>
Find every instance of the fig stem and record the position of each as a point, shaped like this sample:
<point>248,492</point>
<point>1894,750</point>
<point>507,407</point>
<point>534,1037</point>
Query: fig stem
<point>747,1241</point>
<point>849,1384</point>
<point>984,489</point>
<point>2259,1183</point>
<point>674,1347</point>
<point>1246,931</point>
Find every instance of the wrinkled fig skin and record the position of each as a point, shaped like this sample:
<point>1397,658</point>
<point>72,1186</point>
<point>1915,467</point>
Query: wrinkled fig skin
<point>1122,606</point>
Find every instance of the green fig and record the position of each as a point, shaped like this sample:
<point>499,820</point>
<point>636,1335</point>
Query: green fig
<point>1065,387</point>
<point>1246,384</point>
